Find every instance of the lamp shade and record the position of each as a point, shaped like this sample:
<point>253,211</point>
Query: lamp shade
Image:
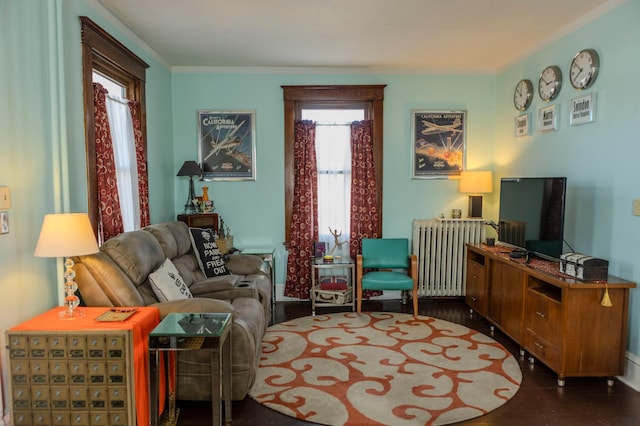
<point>65,235</point>
<point>477,182</point>
<point>190,168</point>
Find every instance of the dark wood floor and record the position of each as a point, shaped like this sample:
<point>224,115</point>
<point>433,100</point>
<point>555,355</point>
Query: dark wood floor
<point>582,401</point>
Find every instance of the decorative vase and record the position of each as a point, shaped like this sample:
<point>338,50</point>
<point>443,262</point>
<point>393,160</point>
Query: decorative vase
<point>205,193</point>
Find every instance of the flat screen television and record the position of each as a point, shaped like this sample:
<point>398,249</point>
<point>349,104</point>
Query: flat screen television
<point>532,214</point>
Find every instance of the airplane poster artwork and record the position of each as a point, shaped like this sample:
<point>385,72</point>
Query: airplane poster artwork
<point>227,149</point>
<point>438,139</point>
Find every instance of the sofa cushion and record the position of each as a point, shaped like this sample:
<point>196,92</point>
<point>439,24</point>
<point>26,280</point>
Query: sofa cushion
<point>167,284</point>
<point>137,253</point>
<point>207,252</point>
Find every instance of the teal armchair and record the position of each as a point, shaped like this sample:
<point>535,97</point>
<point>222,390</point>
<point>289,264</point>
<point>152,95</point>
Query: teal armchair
<point>382,258</point>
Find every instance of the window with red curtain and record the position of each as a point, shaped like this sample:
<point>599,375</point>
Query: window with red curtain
<point>297,98</point>
<point>104,55</point>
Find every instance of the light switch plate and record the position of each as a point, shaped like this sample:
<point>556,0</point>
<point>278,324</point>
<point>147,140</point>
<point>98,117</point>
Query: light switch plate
<point>636,207</point>
<point>5,198</point>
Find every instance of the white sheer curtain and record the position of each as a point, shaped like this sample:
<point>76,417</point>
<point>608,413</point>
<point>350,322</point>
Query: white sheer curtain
<point>124,151</point>
<point>334,181</point>
<point>333,155</point>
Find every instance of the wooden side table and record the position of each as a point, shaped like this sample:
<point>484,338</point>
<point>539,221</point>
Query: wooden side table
<point>183,332</point>
<point>80,371</point>
<point>200,220</point>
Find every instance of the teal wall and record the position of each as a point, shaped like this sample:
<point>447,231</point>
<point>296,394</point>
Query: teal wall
<point>42,157</point>
<point>600,159</point>
<point>254,210</point>
<point>42,149</point>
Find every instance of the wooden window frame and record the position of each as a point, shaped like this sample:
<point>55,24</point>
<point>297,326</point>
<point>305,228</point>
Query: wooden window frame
<point>296,96</point>
<point>105,54</point>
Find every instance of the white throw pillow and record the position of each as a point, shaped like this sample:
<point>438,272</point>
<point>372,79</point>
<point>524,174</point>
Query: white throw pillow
<point>167,283</point>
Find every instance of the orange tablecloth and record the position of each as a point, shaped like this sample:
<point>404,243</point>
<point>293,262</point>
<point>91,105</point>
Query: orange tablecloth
<point>142,322</point>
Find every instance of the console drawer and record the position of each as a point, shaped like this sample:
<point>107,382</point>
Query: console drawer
<point>543,316</point>
<point>543,350</point>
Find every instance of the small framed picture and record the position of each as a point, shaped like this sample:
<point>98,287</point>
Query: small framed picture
<point>582,109</point>
<point>521,125</point>
<point>4,222</point>
<point>319,248</point>
<point>548,119</point>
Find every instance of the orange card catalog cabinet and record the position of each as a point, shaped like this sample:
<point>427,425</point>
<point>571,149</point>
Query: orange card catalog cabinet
<point>79,372</point>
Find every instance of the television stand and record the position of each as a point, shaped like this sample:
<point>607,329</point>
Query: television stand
<point>559,320</point>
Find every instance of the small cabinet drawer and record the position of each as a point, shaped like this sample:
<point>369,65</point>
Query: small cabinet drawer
<point>543,316</point>
<point>543,350</point>
<point>476,287</point>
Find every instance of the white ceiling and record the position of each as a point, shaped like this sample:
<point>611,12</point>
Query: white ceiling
<point>420,34</point>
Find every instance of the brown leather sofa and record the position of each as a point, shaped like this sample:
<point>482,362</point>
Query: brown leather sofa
<point>118,276</point>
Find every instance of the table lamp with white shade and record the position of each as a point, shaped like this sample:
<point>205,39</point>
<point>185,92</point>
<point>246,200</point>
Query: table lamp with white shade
<point>67,235</point>
<point>476,183</point>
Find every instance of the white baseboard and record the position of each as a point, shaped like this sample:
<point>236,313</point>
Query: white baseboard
<point>631,376</point>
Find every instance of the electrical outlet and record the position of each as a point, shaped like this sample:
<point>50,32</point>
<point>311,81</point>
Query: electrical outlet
<point>5,198</point>
<point>636,207</point>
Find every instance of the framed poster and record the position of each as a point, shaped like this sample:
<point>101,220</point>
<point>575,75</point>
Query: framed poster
<point>227,145</point>
<point>547,119</point>
<point>438,141</point>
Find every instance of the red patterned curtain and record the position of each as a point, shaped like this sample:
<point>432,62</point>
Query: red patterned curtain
<point>141,161</point>
<point>304,221</point>
<point>365,217</point>
<point>108,201</point>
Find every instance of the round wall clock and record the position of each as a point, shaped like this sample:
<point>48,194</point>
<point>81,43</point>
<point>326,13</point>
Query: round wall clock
<point>550,83</point>
<point>523,95</point>
<point>584,69</point>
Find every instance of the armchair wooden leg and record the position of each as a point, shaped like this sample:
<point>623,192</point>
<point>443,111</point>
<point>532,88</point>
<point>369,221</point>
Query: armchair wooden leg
<point>415,302</point>
<point>359,297</point>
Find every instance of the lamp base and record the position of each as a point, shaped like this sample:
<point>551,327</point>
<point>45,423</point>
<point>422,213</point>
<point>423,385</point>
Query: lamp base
<point>70,314</point>
<point>475,206</point>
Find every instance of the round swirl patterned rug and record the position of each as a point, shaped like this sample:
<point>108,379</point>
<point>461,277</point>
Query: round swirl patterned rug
<point>382,369</point>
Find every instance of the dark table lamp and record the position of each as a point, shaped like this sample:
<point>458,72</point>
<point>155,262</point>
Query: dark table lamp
<point>475,183</point>
<point>191,169</point>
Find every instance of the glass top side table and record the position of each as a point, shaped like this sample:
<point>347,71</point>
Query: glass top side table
<point>183,332</point>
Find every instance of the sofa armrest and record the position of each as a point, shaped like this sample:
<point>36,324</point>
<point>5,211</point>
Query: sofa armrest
<point>244,264</point>
<point>196,305</point>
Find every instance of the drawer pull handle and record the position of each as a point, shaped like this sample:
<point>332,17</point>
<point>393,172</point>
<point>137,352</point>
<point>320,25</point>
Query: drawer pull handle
<point>475,277</point>
<point>539,345</point>
<point>540,314</point>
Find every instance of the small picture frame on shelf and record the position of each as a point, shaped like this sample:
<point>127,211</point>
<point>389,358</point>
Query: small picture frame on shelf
<point>319,248</point>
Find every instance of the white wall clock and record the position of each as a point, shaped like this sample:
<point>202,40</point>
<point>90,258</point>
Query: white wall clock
<point>584,69</point>
<point>523,95</point>
<point>550,83</point>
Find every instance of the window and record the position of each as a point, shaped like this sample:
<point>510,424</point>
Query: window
<point>333,153</point>
<point>118,69</point>
<point>368,98</point>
